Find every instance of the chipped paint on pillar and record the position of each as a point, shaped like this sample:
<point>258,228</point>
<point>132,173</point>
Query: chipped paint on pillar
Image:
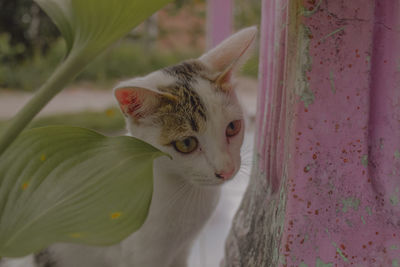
<point>320,263</point>
<point>324,190</point>
<point>341,91</point>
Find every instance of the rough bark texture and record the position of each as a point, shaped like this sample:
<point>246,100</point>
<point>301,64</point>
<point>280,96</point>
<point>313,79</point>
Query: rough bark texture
<point>325,185</point>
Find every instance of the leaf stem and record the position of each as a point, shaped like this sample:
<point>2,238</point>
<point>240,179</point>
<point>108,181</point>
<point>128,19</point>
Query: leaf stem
<point>66,72</point>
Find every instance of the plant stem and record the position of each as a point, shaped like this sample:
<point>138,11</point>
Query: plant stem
<point>67,71</point>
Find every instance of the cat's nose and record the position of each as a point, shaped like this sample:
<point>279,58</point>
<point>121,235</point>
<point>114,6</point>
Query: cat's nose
<point>225,175</point>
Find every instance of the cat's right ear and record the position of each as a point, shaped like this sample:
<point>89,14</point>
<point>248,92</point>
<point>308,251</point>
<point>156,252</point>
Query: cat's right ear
<point>230,55</point>
<point>137,102</point>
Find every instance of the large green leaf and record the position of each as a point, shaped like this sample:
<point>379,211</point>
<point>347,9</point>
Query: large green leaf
<point>93,25</point>
<point>68,184</point>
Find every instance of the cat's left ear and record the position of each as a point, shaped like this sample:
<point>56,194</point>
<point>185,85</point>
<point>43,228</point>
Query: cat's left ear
<point>230,55</point>
<point>139,97</point>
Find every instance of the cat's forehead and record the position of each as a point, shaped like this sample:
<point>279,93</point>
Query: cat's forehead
<point>187,72</point>
<point>187,114</point>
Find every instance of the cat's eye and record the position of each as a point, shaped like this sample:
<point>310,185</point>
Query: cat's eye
<point>186,145</point>
<point>233,128</point>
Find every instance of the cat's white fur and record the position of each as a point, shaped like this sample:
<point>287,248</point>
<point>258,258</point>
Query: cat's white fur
<point>185,188</point>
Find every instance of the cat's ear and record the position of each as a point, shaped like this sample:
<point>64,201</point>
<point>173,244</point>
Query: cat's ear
<point>230,55</point>
<point>139,102</point>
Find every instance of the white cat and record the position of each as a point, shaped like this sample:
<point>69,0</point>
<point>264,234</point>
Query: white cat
<point>191,112</point>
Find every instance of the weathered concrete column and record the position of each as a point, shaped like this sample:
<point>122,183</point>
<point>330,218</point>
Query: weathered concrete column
<point>325,187</point>
<point>219,21</point>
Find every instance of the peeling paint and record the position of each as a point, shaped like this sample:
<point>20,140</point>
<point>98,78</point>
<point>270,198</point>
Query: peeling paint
<point>364,160</point>
<point>330,34</point>
<point>320,263</point>
<point>307,168</point>
<point>368,209</point>
<point>344,156</point>
<point>340,252</point>
<point>307,97</point>
<point>381,144</point>
<point>349,223</point>
<point>282,260</point>
<point>304,64</point>
<point>332,82</point>
<point>350,202</point>
<point>394,247</point>
<point>394,200</point>
<point>308,13</point>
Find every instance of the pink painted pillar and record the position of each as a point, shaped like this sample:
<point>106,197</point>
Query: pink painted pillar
<point>332,137</point>
<point>325,190</point>
<point>219,21</point>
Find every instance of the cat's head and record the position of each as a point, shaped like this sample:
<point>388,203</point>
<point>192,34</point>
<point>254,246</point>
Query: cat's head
<point>191,111</point>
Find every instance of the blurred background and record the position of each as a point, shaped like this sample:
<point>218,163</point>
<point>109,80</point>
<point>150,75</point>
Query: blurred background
<point>31,48</point>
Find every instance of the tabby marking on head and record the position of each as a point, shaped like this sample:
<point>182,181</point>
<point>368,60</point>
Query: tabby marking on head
<point>188,113</point>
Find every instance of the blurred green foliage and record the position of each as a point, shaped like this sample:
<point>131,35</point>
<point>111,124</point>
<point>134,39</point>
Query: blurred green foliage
<point>27,70</point>
<point>109,121</point>
<point>27,26</point>
<point>180,3</point>
<point>31,72</point>
<point>124,60</point>
<point>247,13</point>
<point>251,67</point>
<point>129,59</point>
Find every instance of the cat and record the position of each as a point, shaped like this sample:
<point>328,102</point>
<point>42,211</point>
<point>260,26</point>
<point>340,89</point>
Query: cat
<point>190,111</point>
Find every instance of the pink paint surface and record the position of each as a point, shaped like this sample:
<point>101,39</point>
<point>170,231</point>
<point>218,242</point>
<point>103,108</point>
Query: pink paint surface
<point>341,152</point>
<point>219,21</point>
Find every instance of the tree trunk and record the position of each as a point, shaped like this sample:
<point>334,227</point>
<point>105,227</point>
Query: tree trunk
<point>325,185</point>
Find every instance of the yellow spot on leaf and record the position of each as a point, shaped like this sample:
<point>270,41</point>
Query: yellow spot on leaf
<point>43,157</point>
<point>110,112</point>
<point>25,186</point>
<point>115,215</point>
<point>75,235</point>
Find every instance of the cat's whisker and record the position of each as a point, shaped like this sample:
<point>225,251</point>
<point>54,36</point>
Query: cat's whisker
<point>190,197</point>
<point>177,195</point>
<point>244,172</point>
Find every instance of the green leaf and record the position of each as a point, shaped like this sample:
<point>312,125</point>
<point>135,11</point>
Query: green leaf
<point>92,25</point>
<point>68,184</point>
<point>89,27</point>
